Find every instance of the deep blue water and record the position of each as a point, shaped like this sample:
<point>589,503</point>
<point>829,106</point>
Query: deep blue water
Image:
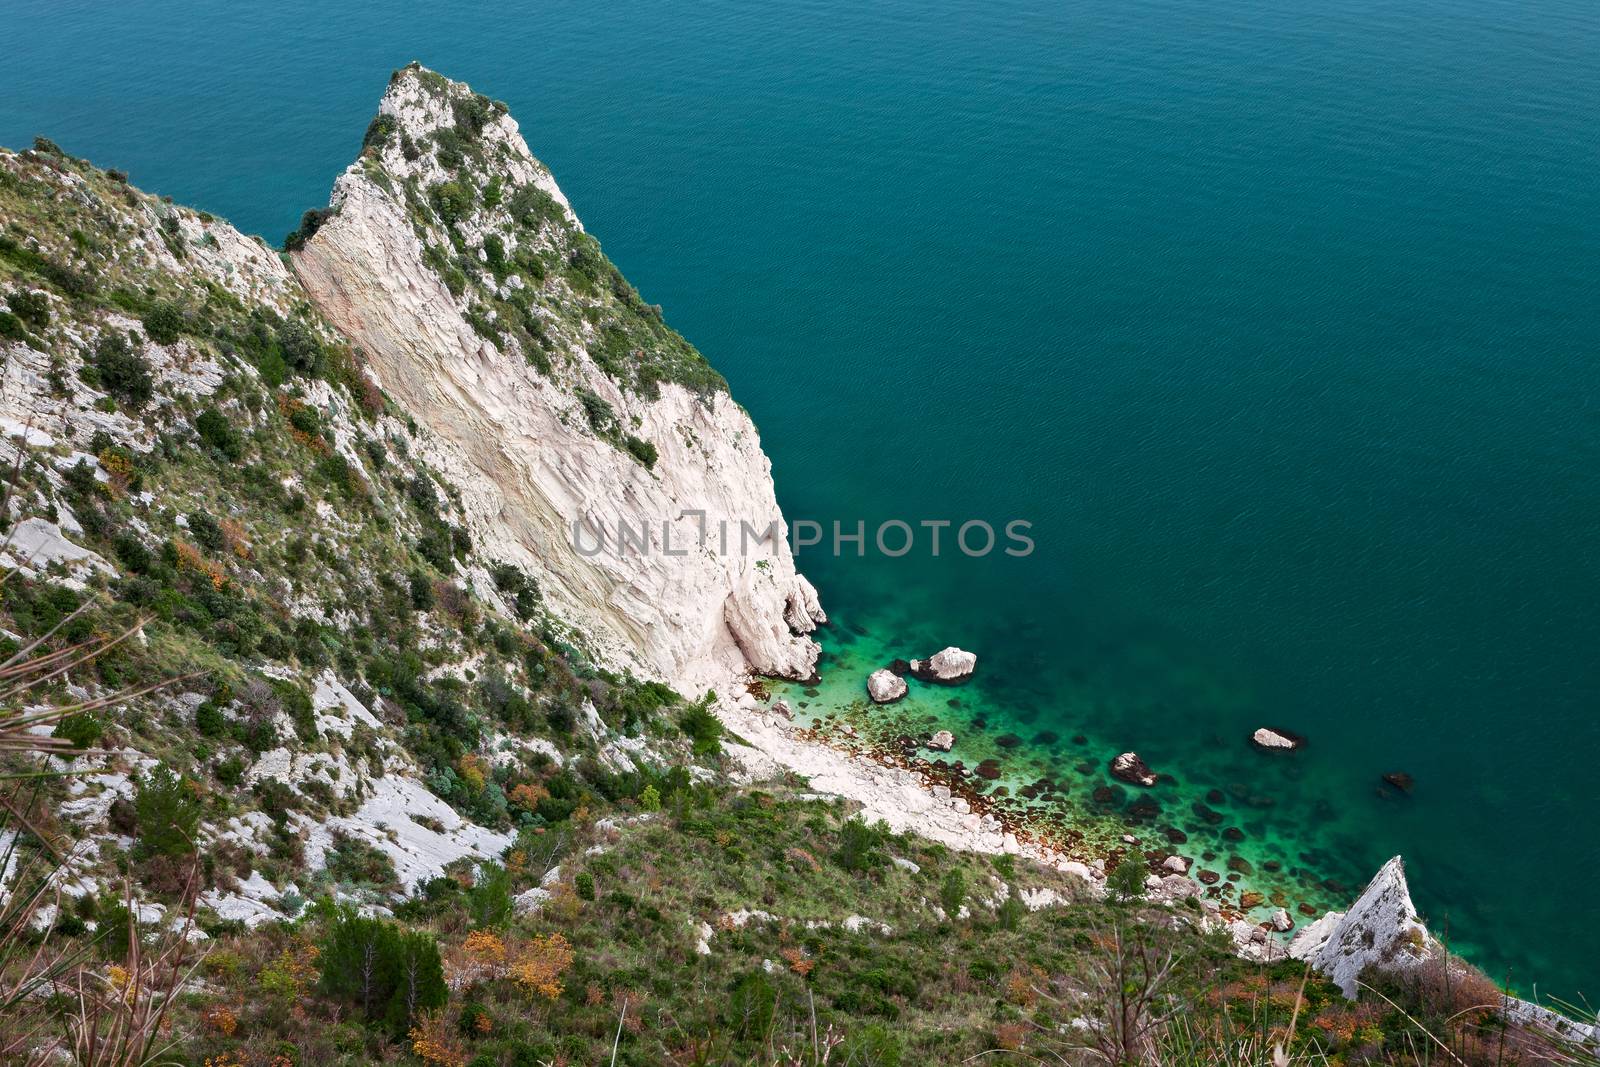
<point>1279,322</point>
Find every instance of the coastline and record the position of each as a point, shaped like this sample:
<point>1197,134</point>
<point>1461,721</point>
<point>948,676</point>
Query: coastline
<point>909,794</point>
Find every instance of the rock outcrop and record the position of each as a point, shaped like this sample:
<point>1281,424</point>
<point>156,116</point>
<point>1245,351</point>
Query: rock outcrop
<point>1128,767</point>
<point>593,446</point>
<point>885,687</point>
<point>942,741</point>
<point>949,666</point>
<point>1381,929</point>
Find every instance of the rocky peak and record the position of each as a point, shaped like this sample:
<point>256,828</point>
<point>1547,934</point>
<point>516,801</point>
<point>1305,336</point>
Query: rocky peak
<point>1381,929</point>
<point>595,448</point>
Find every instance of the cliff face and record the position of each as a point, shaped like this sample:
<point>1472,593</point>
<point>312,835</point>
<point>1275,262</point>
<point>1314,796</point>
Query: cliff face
<point>561,404</point>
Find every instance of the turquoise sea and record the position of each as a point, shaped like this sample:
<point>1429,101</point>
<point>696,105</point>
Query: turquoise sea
<point>1280,323</point>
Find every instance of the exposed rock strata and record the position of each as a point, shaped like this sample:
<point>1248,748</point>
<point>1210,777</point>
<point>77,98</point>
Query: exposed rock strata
<point>532,468</point>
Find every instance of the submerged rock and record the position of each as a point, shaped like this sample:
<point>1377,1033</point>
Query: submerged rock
<point>1128,767</point>
<point>947,666</point>
<point>1400,780</point>
<point>885,687</point>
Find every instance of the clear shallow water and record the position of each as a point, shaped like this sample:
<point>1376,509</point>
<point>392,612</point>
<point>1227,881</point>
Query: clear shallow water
<point>1279,324</point>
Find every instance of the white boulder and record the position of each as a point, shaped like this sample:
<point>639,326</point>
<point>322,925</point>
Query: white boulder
<point>942,741</point>
<point>949,666</point>
<point>1276,740</point>
<point>885,687</point>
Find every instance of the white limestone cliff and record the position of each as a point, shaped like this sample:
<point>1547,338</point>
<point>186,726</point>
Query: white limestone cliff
<point>540,488</point>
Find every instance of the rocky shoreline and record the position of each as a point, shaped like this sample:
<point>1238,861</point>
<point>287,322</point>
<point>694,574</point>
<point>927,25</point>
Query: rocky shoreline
<point>939,800</point>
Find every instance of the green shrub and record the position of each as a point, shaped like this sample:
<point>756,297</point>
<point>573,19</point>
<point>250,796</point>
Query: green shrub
<point>32,308</point>
<point>121,371</point>
<point>953,892</point>
<point>379,132</point>
<point>860,847</point>
<point>310,223</point>
<point>82,729</point>
<point>451,200</point>
<point>164,322</point>
<point>302,352</point>
<point>215,430</point>
<point>206,530</point>
<point>209,720</point>
<point>641,450</point>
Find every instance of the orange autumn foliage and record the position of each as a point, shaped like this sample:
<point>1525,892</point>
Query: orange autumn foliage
<point>541,963</point>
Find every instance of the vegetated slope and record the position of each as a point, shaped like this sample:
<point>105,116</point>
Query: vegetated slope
<point>423,821</point>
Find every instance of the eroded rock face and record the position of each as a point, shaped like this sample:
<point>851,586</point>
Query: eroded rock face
<point>948,666</point>
<point>885,687</point>
<point>1128,767</point>
<point>1381,929</point>
<point>562,407</point>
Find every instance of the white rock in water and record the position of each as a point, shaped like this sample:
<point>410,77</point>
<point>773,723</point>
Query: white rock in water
<point>1276,740</point>
<point>1381,928</point>
<point>781,708</point>
<point>948,665</point>
<point>942,740</point>
<point>1281,922</point>
<point>885,687</point>
<point>1175,864</point>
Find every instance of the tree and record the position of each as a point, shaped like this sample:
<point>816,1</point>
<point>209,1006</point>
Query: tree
<point>168,814</point>
<point>1126,880</point>
<point>391,974</point>
<point>952,892</point>
<point>703,727</point>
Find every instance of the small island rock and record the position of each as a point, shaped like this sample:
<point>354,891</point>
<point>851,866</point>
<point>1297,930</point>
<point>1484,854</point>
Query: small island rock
<point>942,740</point>
<point>1276,740</point>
